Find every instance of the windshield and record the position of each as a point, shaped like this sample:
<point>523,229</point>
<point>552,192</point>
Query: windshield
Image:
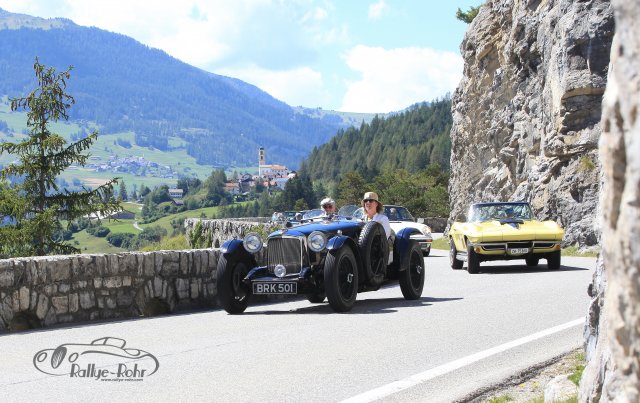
<point>290,215</point>
<point>348,210</point>
<point>398,213</point>
<point>313,213</point>
<point>500,211</point>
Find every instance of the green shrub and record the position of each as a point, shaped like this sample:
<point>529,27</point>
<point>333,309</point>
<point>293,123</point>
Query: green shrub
<point>178,242</point>
<point>586,164</point>
<point>99,231</point>
<point>121,240</point>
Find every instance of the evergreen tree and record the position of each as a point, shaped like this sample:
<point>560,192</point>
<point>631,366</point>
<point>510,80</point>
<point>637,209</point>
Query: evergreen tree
<point>467,16</point>
<point>37,205</point>
<point>122,194</point>
<point>351,189</point>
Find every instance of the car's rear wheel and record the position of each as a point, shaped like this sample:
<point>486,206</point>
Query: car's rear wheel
<point>233,294</point>
<point>412,277</point>
<point>456,264</point>
<point>341,279</point>
<point>553,260</point>
<point>532,261</point>
<point>473,261</point>
<point>374,251</point>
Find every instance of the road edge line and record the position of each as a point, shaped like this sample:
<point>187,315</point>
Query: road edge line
<point>413,380</point>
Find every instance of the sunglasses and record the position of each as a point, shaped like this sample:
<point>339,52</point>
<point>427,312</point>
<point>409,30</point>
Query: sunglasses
<point>327,206</point>
<point>369,200</point>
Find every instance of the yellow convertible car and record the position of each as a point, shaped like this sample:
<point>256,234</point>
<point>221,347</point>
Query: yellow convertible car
<point>503,231</point>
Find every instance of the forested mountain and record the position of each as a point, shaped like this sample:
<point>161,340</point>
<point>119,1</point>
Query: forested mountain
<point>124,85</point>
<point>411,140</point>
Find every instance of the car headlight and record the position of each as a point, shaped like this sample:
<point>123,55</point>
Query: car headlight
<point>426,230</point>
<point>317,241</point>
<point>252,243</point>
<point>280,271</point>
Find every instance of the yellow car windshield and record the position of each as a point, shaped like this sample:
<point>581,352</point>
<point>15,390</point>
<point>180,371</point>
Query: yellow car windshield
<point>500,211</point>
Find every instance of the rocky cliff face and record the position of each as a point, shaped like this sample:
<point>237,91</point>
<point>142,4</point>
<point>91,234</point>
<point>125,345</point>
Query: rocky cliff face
<point>613,331</point>
<point>526,115</point>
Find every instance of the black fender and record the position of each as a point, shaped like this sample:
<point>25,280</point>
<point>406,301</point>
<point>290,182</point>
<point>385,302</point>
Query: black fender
<point>402,244</point>
<point>234,248</point>
<point>338,242</point>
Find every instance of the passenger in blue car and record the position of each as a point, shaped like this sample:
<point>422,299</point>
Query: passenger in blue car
<point>329,206</point>
<point>373,211</point>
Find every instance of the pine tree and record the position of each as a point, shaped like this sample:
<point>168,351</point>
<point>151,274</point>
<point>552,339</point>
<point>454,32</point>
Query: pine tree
<point>122,194</point>
<point>38,206</point>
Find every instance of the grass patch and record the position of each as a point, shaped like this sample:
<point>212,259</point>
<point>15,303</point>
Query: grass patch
<point>574,251</point>
<point>165,222</point>
<point>88,243</point>
<point>581,361</point>
<point>440,243</point>
<point>501,399</point>
<point>178,242</point>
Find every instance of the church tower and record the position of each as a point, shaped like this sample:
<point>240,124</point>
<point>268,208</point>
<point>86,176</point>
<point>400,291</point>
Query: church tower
<point>261,160</point>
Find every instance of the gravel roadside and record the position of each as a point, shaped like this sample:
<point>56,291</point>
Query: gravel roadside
<point>529,385</point>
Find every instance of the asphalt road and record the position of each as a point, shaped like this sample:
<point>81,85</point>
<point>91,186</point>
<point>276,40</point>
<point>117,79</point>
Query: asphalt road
<point>467,332</point>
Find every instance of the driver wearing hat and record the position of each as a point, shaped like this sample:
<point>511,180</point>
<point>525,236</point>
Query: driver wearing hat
<point>373,211</point>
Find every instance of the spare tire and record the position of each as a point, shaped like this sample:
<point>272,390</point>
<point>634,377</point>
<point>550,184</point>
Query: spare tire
<point>374,251</point>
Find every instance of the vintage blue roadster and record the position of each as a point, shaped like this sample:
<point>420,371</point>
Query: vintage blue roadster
<point>332,257</point>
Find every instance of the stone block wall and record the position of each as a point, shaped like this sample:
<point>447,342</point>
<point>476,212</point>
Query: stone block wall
<point>47,290</point>
<point>215,232</point>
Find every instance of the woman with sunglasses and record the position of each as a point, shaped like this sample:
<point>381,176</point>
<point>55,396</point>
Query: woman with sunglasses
<point>373,211</point>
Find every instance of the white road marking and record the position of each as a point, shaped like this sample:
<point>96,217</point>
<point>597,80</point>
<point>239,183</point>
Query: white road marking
<point>397,386</point>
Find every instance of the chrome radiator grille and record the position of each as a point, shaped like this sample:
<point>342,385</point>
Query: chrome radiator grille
<point>287,251</point>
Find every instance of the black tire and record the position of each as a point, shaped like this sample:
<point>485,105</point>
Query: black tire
<point>316,298</point>
<point>532,261</point>
<point>233,294</point>
<point>553,260</point>
<point>412,277</point>
<point>455,263</point>
<point>374,251</point>
<point>425,254</point>
<point>473,261</point>
<point>341,279</point>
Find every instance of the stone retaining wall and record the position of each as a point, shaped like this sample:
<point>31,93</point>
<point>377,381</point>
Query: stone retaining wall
<point>43,291</point>
<point>214,233</point>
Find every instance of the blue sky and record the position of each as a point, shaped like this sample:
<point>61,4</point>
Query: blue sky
<point>349,55</point>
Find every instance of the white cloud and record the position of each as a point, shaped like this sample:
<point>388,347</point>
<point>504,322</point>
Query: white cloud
<point>376,10</point>
<point>393,79</point>
<point>299,86</point>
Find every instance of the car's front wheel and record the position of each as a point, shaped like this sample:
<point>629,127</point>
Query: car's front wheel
<point>532,261</point>
<point>412,277</point>
<point>473,261</point>
<point>456,264</point>
<point>553,260</point>
<point>233,294</point>
<point>341,279</point>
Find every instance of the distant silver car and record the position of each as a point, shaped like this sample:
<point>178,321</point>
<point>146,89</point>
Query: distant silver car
<point>399,218</point>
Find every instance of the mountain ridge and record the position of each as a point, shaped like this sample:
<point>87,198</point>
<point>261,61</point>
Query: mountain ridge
<point>124,85</point>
